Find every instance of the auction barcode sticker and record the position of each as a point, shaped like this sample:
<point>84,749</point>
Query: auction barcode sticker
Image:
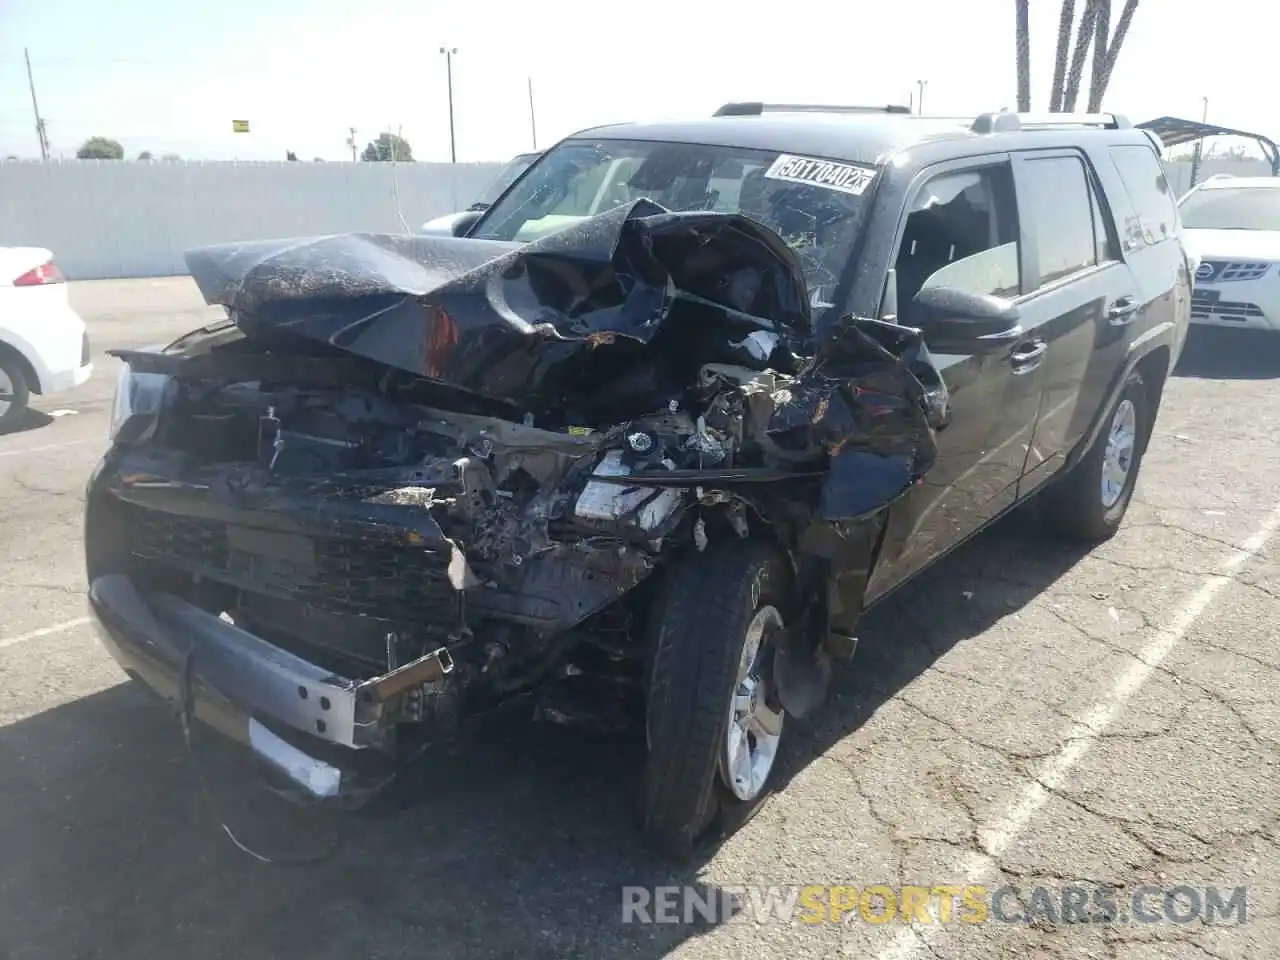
<point>844,177</point>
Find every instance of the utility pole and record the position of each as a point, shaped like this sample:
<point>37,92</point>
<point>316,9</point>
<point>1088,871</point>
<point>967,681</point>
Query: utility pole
<point>351,142</point>
<point>40,130</point>
<point>533,122</point>
<point>448,59</point>
<point>1197,153</point>
<point>920,85</point>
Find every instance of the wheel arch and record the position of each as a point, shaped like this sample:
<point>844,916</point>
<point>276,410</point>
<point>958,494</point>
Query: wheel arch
<point>1152,358</point>
<point>25,367</point>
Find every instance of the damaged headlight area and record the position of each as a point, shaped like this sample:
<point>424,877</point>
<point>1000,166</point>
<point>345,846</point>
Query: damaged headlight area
<point>137,400</point>
<point>479,455</point>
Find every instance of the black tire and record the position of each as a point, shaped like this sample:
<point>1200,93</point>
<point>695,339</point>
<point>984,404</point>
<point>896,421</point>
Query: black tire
<point>1074,506</point>
<point>697,635</point>
<point>21,392</point>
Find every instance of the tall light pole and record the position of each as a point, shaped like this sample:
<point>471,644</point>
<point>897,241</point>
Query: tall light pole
<point>448,60</point>
<point>921,84</point>
<point>533,122</point>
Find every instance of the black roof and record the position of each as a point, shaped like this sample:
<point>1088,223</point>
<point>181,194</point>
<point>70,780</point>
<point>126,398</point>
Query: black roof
<point>864,138</point>
<point>860,137</point>
<point>1175,131</point>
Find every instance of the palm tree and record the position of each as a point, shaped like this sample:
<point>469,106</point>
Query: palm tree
<point>1084,37</point>
<point>1065,21</point>
<point>1022,15</point>
<point>1105,62</point>
<point>1093,30</point>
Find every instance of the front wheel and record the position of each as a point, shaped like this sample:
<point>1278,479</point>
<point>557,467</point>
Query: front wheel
<point>1090,501</point>
<point>713,721</point>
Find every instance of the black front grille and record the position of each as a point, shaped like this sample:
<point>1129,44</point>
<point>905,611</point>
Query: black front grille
<point>391,581</point>
<point>1227,271</point>
<point>1204,305</point>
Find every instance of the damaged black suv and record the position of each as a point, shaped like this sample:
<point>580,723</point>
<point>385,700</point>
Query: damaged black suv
<point>640,442</point>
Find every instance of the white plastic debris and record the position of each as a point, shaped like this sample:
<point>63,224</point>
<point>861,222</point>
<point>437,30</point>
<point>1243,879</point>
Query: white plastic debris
<point>700,535</point>
<point>759,344</point>
<point>601,500</point>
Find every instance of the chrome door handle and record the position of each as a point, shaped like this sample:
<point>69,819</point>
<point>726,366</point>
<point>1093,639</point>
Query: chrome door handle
<point>1122,311</point>
<point>1028,357</point>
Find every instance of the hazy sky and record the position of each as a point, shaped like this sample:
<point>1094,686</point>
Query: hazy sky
<point>167,76</point>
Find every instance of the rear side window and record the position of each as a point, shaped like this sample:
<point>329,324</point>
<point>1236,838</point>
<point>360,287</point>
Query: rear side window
<point>1056,206</point>
<point>1149,192</point>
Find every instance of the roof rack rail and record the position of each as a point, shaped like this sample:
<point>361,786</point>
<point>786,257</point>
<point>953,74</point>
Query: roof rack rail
<point>1007,122</point>
<point>754,108</point>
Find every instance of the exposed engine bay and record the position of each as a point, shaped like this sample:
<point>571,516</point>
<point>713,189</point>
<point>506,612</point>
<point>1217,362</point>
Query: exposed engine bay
<point>399,445</point>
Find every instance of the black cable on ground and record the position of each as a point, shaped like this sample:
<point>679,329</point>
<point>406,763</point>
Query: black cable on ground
<point>185,704</point>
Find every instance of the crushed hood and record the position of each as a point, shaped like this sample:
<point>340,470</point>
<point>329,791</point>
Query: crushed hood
<point>515,322</point>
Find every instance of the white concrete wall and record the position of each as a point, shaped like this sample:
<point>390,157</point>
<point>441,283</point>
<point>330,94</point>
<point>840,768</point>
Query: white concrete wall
<point>105,218</point>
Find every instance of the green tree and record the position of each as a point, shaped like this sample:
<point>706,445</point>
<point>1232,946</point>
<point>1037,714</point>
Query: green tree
<point>100,148</point>
<point>388,146</point>
<point>145,155</point>
<point>290,155</point>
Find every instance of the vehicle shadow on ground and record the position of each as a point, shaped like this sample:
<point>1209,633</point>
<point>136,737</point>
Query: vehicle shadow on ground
<point>1213,353</point>
<point>26,421</point>
<point>984,581</point>
<point>515,842</point>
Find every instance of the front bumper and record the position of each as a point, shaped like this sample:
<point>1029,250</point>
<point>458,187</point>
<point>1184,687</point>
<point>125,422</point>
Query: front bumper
<point>1249,305</point>
<point>304,722</point>
<point>68,378</point>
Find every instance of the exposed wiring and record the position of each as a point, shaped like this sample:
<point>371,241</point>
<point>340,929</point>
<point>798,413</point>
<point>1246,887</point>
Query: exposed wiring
<point>184,705</point>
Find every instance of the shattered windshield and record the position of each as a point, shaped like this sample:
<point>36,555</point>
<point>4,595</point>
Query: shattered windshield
<point>1239,208</point>
<point>815,206</point>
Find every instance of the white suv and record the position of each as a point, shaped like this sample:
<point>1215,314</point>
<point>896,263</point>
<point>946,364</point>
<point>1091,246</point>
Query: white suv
<point>1232,226</point>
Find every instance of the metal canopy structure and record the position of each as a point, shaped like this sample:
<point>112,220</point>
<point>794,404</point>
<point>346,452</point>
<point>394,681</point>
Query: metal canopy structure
<point>1174,131</point>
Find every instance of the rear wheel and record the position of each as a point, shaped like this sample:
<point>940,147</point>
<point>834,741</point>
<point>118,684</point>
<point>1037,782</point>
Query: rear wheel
<point>713,720</point>
<point>1090,502</point>
<point>14,392</point>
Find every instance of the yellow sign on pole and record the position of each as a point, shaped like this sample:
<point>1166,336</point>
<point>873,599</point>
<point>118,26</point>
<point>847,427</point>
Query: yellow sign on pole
<point>239,126</point>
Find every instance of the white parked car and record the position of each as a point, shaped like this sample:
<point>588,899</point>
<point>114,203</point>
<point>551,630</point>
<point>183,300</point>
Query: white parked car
<point>1232,226</point>
<point>44,347</point>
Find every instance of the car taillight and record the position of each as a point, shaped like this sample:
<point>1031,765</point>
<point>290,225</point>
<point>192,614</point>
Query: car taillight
<point>38,276</point>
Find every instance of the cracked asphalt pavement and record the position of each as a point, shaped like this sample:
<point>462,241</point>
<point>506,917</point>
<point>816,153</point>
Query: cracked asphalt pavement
<point>1025,715</point>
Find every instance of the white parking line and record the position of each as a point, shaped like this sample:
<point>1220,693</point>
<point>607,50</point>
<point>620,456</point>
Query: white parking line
<point>43,632</point>
<point>51,446</point>
<point>913,941</point>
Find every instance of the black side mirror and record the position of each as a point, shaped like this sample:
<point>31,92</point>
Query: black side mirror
<point>465,222</point>
<point>957,321</point>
